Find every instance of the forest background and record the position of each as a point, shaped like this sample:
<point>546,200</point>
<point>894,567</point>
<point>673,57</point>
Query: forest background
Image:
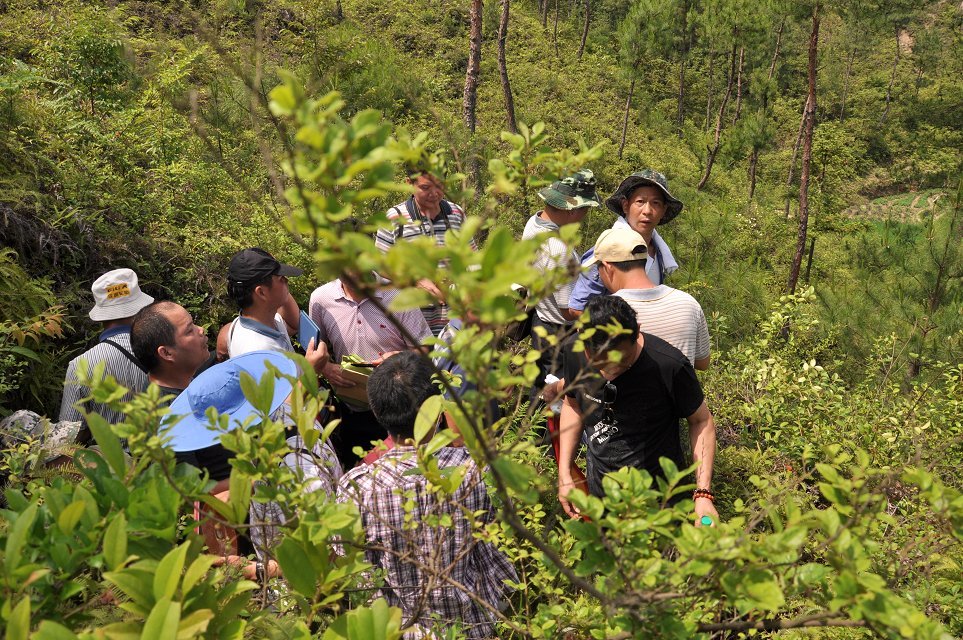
<point>138,134</point>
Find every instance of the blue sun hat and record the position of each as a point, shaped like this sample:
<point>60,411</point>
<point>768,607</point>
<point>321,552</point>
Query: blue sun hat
<point>220,387</point>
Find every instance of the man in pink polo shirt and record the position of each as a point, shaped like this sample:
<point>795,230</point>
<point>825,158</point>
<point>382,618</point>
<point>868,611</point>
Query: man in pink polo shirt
<point>351,323</point>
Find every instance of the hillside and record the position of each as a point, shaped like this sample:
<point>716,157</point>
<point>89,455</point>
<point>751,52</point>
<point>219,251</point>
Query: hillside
<point>166,136</point>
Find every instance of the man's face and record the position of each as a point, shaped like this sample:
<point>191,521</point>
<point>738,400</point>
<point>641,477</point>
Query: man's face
<point>190,342</point>
<point>615,361</point>
<point>644,209</point>
<point>578,215</point>
<point>428,192</point>
<point>275,291</point>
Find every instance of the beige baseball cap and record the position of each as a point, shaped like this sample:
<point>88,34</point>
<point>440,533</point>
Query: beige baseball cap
<point>620,244</point>
<point>117,295</point>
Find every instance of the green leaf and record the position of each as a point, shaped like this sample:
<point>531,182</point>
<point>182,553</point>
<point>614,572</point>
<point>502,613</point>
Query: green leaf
<point>377,622</point>
<point>53,631</point>
<point>70,516</point>
<point>168,573</point>
<point>764,590</point>
<point>109,443</point>
<point>17,536</point>
<point>25,352</point>
<point>297,567</point>
<point>123,631</point>
<point>196,571</point>
<point>18,625</point>
<point>115,542</point>
<point>239,497</point>
<point>135,584</point>
<point>427,418</point>
<point>163,621</point>
<point>194,624</point>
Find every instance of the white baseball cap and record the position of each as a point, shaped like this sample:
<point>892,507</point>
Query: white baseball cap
<point>619,244</point>
<point>117,295</point>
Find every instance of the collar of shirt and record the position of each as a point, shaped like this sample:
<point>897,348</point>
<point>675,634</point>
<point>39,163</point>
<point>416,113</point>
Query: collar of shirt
<point>257,327</point>
<point>379,294</point>
<point>669,263</point>
<point>113,331</point>
<point>544,224</point>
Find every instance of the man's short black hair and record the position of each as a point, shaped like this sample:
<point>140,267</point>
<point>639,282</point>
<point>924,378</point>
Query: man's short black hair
<point>150,330</point>
<point>609,310</point>
<point>628,265</point>
<point>242,293</point>
<point>396,390</point>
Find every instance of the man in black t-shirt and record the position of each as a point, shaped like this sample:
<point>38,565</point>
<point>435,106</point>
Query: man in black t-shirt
<point>627,391</point>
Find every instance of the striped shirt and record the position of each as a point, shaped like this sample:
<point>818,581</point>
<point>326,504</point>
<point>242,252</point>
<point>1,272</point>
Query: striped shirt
<point>361,328</point>
<point>407,226</point>
<point>551,255</point>
<point>116,364</point>
<point>673,315</point>
<point>424,546</point>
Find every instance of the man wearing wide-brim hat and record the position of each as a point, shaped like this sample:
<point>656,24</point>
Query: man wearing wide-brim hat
<point>567,201</point>
<point>643,202</point>
<point>117,298</point>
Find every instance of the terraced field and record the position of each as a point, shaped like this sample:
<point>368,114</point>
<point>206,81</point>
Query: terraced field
<point>911,206</point>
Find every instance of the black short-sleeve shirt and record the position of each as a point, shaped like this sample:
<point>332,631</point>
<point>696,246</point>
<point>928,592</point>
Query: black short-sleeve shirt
<point>642,424</point>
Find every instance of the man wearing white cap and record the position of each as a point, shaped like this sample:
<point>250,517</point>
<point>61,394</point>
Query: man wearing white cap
<point>117,298</point>
<point>621,255</point>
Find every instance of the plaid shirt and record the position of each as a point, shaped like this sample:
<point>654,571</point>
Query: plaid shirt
<point>433,565</point>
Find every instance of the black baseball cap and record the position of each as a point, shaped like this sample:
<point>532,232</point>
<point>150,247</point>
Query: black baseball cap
<point>254,264</point>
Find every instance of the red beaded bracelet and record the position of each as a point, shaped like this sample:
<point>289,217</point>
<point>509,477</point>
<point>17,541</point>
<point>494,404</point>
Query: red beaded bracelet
<point>703,493</point>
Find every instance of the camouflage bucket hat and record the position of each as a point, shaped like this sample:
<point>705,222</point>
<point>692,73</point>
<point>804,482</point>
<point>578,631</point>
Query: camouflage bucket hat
<point>26,426</point>
<point>574,192</point>
<point>641,179</point>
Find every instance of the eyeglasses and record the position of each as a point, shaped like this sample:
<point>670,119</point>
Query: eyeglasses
<point>609,395</point>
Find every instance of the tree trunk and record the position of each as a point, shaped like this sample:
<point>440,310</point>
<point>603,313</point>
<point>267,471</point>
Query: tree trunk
<point>712,59</point>
<point>722,113</point>
<point>849,73</point>
<point>810,119</point>
<point>543,12</point>
<point>892,79</point>
<point>682,60</point>
<point>585,28</point>
<point>338,11</point>
<point>503,68</point>
<point>742,58</point>
<point>795,152</point>
<point>625,119</point>
<point>555,30</point>
<point>775,53</point>
<point>474,64</point>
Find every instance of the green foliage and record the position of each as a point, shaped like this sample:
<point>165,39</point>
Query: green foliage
<point>144,135</point>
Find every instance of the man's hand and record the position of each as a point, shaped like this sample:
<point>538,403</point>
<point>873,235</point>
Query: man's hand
<point>704,507</point>
<point>565,485</point>
<point>431,288</point>
<point>334,374</point>
<point>573,478</point>
<point>552,391</point>
<point>317,356</point>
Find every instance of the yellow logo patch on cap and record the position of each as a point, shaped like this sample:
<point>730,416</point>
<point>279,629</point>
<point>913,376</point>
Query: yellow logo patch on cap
<point>118,291</point>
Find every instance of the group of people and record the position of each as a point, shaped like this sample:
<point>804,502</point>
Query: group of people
<point>622,397</point>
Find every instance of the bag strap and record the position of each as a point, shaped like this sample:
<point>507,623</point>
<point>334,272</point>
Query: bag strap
<point>127,354</point>
<point>658,260</point>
